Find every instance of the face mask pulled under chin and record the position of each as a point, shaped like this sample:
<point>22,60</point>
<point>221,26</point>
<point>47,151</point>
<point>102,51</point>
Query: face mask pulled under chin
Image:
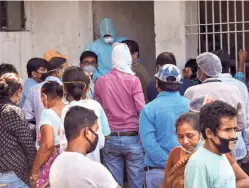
<point>197,147</point>
<point>226,145</point>
<point>93,144</point>
<point>108,40</point>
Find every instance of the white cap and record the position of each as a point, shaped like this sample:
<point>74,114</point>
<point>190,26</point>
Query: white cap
<point>209,63</point>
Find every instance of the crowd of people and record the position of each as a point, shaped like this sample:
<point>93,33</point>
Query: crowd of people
<point>106,124</point>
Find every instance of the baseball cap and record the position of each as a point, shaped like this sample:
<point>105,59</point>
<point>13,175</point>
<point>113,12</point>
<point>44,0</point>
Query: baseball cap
<point>209,63</point>
<point>168,70</point>
<point>53,53</point>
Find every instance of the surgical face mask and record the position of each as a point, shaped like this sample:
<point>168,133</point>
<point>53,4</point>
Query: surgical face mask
<point>89,69</point>
<point>198,145</point>
<point>226,145</point>
<point>93,144</point>
<point>108,40</point>
<point>198,76</point>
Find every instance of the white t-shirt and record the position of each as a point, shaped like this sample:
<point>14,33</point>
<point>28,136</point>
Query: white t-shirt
<point>73,170</point>
<point>209,170</point>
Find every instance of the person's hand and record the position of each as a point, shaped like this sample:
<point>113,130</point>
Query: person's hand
<point>208,99</point>
<point>242,56</point>
<point>187,73</point>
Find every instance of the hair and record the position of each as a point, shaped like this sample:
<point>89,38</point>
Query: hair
<point>211,114</point>
<point>225,60</point>
<point>76,82</point>
<point>166,58</point>
<point>52,89</point>
<point>76,119</point>
<point>34,64</point>
<point>55,63</point>
<point>189,117</point>
<point>10,83</point>
<point>86,54</point>
<point>191,63</point>
<point>170,85</point>
<point>7,68</point>
<point>133,46</point>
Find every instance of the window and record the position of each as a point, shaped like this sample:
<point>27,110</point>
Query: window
<point>12,16</point>
<point>221,25</point>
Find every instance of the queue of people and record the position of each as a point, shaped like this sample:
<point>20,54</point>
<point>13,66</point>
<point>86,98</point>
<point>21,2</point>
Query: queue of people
<point>106,124</point>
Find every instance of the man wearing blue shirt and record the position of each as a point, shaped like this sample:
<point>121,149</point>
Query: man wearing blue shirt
<point>36,70</point>
<point>157,123</point>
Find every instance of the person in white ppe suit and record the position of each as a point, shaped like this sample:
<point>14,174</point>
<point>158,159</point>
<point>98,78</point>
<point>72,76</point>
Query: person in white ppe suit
<point>103,47</point>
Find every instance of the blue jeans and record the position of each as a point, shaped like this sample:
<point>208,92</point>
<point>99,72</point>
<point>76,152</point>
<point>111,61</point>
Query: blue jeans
<point>119,150</point>
<point>154,178</point>
<point>10,180</point>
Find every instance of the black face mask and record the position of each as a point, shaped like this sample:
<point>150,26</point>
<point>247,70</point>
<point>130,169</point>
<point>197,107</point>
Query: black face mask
<point>93,144</point>
<point>226,145</point>
<point>43,76</point>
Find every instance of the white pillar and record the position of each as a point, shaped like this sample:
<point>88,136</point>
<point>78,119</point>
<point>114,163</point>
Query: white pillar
<point>170,30</point>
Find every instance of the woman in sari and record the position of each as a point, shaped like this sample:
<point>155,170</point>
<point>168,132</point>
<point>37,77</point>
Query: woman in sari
<point>48,138</point>
<point>189,137</point>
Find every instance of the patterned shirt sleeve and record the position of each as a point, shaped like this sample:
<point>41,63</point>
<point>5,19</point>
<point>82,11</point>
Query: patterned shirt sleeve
<point>22,131</point>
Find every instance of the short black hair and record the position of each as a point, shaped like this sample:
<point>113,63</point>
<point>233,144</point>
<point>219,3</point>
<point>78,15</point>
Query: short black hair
<point>191,63</point>
<point>7,68</point>
<point>86,54</point>
<point>225,60</point>
<point>191,118</point>
<point>76,119</point>
<point>170,85</point>
<point>211,114</point>
<point>52,89</point>
<point>34,64</point>
<point>133,46</point>
<point>166,58</point>
<point>55,63</point>
<point>75,82</point>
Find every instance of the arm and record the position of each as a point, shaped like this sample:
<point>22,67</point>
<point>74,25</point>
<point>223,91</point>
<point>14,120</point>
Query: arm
<point>242,59</point>
<point>168,166</point>
<point>196,176</point>
<point>46,148</point>
<point>147,132</point>
<point>23,134</point>
<point>28,106</point>
<point>138,95</point>
<point>104,121</point>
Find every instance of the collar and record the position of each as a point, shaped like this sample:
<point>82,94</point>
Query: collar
<point>225,75</point>
<point>53,78</point>
<point>6,100</point>
<point>167,93</point>
<point>211,80</point>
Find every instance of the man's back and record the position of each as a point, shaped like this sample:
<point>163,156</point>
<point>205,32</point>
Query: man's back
<point>199,172</point>
<point>220,91</point>
<point>72,170</point>
<point>157,123</point>
<point>122,98</point>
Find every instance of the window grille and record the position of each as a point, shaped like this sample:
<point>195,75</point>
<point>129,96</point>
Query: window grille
<point>221,25</point>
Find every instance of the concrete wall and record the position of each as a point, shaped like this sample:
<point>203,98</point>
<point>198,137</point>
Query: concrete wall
<point>170,29</point>
<point>134,20</point>
<point>63,26</point>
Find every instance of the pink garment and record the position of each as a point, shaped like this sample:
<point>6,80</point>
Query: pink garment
<point>122,98</point>
<point>43,181</point>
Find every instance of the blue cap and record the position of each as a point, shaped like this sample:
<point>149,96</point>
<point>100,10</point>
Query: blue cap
<point>168,70</point>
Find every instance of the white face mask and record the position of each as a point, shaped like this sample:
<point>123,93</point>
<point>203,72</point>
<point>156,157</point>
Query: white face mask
<point>108,40</point>
<point>198,145</point>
